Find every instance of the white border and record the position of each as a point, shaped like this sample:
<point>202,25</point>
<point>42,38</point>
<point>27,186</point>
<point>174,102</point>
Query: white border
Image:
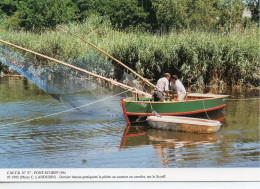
<point>130,175</point>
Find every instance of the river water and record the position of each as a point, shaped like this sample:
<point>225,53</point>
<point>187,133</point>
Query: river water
<point>76,140</point>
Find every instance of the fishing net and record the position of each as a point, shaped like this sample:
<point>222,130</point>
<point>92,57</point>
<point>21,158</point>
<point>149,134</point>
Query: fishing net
<point>82,91</point>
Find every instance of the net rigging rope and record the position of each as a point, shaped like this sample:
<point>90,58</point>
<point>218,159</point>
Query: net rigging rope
<point>205,110</point>
<point>24,121</point>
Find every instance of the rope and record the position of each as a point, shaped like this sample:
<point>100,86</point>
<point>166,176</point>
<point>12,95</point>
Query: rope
<point>153,111</point>
<point>24,121</point>
<point>205,110</point>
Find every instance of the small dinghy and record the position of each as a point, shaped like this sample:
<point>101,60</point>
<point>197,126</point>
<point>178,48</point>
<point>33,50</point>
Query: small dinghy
<point>184,124</point>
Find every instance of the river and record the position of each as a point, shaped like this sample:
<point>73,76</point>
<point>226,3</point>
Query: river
<point>76,140</point>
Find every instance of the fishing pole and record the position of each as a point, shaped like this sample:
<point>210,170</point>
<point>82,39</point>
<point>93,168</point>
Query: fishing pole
<point>113,58</point>
<point>134,90</point>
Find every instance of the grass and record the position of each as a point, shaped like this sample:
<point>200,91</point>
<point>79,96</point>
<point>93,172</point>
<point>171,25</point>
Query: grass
<point>199,58</point>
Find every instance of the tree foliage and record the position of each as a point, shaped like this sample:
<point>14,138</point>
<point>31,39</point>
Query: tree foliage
<point>34,14</point>
<point>254,7</point>
<point>123,14</point>
<point>230,13</point>
<point>152,15</point>
<point>8,7</point>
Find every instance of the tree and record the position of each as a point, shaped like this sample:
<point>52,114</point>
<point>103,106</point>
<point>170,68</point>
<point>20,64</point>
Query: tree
<point>8,7</point>
<point>127,14</point>
<point>254,7</point>
<point>123,14</point>
<point>171,14</point>
<point>186,14</point>
<point>149,9</point>
<point>230,13</point>
<point>202,14</point>
<point>34,14</point>
<point>146,14</point>
<point>85,8</point>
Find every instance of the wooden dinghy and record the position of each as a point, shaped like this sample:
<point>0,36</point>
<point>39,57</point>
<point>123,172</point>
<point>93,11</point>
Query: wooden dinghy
<point>184,124</point>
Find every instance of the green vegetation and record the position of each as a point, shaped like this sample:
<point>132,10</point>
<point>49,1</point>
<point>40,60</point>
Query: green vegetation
<point>204,42</point>
<point>149,15</point>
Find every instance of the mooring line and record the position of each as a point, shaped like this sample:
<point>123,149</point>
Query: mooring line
<point>205,110</point>
<point>24,121</point>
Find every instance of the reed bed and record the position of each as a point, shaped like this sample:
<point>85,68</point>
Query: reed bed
<point>199,58</point>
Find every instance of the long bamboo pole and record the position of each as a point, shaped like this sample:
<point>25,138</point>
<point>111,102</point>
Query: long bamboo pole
<point>134,90</point>
<point>131,70</point>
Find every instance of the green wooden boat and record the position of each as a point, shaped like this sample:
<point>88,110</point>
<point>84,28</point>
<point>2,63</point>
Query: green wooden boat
<point>194,103</point>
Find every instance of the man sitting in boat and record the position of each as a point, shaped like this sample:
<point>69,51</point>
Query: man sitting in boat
<point>162,87</point>
<point>178,87</point>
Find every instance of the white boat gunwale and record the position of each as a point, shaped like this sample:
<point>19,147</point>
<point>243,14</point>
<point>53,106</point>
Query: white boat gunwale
<point>174,123</point>
<point>182,120</point>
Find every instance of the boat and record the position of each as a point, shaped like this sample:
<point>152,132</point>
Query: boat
<point>80,79</point>
<point>184,124</point>
<point>194,103</point>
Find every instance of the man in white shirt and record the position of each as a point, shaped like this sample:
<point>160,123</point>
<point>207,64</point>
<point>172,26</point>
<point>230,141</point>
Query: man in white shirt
<point>162,86</point>
<point>178,87</point>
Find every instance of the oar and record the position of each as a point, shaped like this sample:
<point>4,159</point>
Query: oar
<point>134,90</point>
<point>131,70</point>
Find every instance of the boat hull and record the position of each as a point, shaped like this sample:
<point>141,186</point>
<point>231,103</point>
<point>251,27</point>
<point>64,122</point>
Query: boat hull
<point>184,124</point>
<point>197,103</point>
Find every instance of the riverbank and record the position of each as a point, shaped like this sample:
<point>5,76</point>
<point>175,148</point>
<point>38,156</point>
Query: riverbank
<point>199,58</point>
<point>235,92</point>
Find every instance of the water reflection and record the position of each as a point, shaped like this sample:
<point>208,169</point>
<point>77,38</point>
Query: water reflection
<point>77,140</point>
<point>170,143</point>
<point>180,139</point>
<point>134,136</point>
<point>167,144</point>
<point>138,135</point>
